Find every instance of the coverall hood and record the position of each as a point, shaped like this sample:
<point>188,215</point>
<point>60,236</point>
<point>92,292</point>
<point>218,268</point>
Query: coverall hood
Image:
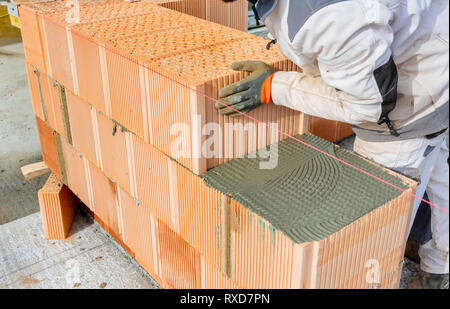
<point>264,8</point>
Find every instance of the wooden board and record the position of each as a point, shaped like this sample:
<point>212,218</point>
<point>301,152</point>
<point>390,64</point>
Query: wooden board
<point>34,170</point>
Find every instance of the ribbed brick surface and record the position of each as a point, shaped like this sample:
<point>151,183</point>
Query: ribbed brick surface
<point>172,41</point>
<point>82,131</point>
<point>48,146</point>
<point>34,91</point>
<point>163,253</point>
<point>332,131</point>
<point>155,20</point>
<point>32,39</point>
<point>78,179</point>
<point>48,6</point>
<point>233,14</point>
<point>58,206</point>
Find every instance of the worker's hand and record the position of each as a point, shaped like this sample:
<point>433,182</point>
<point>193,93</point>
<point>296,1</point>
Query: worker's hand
<point>249,92</point>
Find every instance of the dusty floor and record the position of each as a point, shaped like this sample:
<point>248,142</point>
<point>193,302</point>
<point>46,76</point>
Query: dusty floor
<point>89,258</point>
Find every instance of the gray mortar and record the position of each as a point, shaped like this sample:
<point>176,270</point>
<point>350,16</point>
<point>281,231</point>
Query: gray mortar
<point>308,196</point>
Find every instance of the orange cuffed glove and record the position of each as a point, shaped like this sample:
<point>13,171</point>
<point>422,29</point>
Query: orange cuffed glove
<point>248,93</point>
<point>266,90</point>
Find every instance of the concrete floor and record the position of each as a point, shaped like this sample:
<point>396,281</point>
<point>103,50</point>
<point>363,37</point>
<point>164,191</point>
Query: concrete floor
<point>89,258</point>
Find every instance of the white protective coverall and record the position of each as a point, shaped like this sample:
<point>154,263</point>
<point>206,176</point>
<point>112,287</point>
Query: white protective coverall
<point>382,66</point>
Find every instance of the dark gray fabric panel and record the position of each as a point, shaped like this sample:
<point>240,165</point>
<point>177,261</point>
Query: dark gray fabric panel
<point>434,122</point>
<point>387,78</point>
<point>301,10</point>
<point>421,229</point>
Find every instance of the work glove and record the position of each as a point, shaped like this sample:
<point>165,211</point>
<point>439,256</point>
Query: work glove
<point>248,93</point>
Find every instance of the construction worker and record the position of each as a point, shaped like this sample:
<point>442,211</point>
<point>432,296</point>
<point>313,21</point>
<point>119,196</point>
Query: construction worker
<point>379,65</point>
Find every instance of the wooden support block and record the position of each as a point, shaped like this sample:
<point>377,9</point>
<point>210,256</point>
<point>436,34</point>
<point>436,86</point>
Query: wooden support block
<point>34,170</point>
<point>225,233</point>
<point>58,206</point>
<point>229,224</point>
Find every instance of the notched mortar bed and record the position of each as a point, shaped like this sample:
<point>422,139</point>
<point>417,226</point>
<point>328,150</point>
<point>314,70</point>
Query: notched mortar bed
<point>309,195</point>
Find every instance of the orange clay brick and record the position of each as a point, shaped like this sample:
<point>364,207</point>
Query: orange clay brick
<point>82,129</point>
<point>152,21</point>
<point>324,128</point>
<point>187,77</point>
<point>152,181</point>
<point>166,256</point>
<point>53,100</point>
<point>104,199</point>
<point>34,91</point>
<point>117,238</point>
<point>91,10</point>
<point>195,78</point>
<point>344,130</point>
<point>50,100</point>
<point>31,37</point>
<point>128,104</point>
<point>195,8</point>
<point>332,131</point>
<point>33,29</point>
<point>234,14</point>
<point>77,171</point>
<point>174,40</point>
<point>114,148</point>
<point>52,5</point>
<point>90,58</point>
<point>48,46</point>
<point>170,256</point>
<point>48,146</point>
<point>238,13</point>
<point>58,206</point>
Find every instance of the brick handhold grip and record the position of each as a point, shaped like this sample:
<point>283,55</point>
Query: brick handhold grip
<point>58,206</point>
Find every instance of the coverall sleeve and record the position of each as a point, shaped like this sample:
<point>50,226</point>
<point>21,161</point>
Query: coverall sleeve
<point>352,45</point>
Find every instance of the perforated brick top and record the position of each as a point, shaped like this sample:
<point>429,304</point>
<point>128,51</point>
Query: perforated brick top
<point>209,63</point>
<point>162,1</point>
<point>32,1</point>
<point>181,46</point>
<point>97,11</point>
<point>159,19</point>
<point>176,40</point>
<point>48,6</point>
